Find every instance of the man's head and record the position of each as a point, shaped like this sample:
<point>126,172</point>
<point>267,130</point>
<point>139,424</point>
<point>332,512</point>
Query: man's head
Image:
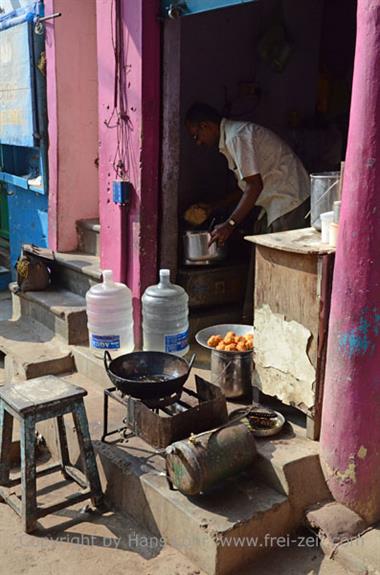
<point>203,124</point>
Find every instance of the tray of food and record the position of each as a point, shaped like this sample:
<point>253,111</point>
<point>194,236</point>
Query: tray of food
<point>264,422</point>
<point>227,337</point>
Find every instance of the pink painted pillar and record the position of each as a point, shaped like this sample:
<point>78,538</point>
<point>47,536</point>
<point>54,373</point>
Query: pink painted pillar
<point>350,437</point>
<point>129,234</point>
<point>71,82</point>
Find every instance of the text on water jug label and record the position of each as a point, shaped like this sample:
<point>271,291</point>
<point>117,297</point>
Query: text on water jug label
<point>105,341</point>
<point>176,342</point>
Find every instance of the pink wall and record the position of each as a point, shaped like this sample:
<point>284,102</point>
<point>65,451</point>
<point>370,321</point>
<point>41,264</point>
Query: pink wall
<point>129,235</point>
<point>73,121</point>
<point>350,436</point>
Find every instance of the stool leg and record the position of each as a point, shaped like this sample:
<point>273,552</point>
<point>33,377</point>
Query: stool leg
<point>6,428</point>
<point>62,443</point>
<point>87,451</point>
<point>28,473</point>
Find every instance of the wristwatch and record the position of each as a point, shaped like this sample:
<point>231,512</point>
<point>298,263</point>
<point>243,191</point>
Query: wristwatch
<point>231,223</point>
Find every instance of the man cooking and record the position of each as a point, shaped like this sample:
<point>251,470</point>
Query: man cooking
<point>267,171</point>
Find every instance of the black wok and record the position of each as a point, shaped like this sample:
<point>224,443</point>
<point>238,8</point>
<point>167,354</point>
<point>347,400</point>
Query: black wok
<point>148,374</point>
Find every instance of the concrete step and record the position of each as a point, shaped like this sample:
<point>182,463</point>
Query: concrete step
<point>204,527</point>
<point>61,311</point>
<point>361,555</point>
<point>289,462</point>
<point>89,236</point>
<point>346,537</point>
<point>31,350</point>
<point>76,271</point>
<point>221,531</point>
<point>90,366</point>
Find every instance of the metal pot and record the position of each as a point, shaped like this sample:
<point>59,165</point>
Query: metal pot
<point>197,249</point>
<point>232,371</point>
<point>324,191</point>
<point>148,374</point>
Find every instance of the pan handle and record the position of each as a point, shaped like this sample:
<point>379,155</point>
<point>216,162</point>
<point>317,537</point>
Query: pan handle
<point>192,359</point>
<point>107,357</point>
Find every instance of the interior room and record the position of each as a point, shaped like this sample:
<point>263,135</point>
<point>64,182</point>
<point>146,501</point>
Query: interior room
<point>284,64</point>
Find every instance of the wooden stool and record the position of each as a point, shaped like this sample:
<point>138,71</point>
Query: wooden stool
<point>30,402</point>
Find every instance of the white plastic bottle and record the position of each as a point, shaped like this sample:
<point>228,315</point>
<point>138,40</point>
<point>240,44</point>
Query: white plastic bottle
<point>165,310</point>
<point>110,317</point>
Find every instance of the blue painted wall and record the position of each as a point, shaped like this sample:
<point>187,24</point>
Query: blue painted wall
<point>28,220</point>
<point>27,204</point>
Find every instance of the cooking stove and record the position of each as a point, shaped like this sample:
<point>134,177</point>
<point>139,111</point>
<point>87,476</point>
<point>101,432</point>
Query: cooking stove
<point>168,419</point>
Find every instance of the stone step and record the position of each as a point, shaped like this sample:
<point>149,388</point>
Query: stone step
<point>76,271</point>
<point>346,537</point>
<point>289,462</point>
<point>361,555</point>
<point>221,531</point>
<point>89,236</point>
<point>90,366</point>
<point>203,527</point>
<point>132,476</point>
<point>62,312</point>
<point>31,350</point>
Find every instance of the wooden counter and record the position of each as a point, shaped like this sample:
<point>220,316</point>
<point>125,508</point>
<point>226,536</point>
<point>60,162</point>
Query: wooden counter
<point>293,281</point>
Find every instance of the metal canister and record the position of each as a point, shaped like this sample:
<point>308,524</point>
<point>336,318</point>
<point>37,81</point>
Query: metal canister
<point>198,249</point>
<point>196,464</point>
<point>232,372</point>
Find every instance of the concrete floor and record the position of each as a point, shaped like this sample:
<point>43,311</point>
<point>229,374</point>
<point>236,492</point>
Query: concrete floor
<point>114,545</point>
<point>76,540</point>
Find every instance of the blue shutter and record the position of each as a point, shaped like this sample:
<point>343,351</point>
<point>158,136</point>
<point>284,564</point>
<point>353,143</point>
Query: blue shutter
<point>17,106</point>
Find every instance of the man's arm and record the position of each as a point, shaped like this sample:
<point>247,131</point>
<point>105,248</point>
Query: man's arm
<point>221,233</point>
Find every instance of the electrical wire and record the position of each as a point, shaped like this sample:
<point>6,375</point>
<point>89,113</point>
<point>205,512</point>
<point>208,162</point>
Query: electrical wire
<point>124,164</point>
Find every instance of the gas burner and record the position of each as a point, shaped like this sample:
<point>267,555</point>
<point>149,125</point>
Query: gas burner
<point>161,422</point>
<point>163,401</point>
<point>156,403</point>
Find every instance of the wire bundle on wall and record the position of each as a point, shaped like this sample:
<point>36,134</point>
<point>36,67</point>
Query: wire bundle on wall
<point>123,161</point>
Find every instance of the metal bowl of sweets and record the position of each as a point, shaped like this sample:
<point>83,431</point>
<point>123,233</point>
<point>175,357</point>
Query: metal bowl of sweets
<point>231,347</point>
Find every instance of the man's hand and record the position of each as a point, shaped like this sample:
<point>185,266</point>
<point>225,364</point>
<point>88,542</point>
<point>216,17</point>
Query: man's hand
<point>221,233</point>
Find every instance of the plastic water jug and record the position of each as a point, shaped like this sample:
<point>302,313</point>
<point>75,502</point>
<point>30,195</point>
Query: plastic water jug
<point>165,313</point>
<point>110,316</point>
